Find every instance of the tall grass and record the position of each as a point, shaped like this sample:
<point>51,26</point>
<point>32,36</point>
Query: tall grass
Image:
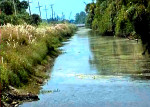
<point>25,46</point>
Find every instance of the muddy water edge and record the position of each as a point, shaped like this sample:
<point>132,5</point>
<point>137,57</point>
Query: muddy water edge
<point>97,71</point>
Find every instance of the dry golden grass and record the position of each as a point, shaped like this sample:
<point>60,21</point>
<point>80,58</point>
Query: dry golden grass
<point>25,46</point>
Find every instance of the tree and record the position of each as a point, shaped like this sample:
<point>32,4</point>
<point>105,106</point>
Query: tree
<point>126,18</point>
<point>80,18</point>
<point>7,7</point>
<point>22,6</point>
<point>36,19</point>
<point>90,8</point>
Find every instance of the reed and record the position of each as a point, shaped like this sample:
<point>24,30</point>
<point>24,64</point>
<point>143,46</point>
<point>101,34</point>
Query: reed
<point>25,46</point>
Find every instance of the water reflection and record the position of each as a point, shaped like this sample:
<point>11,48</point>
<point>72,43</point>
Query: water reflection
<point>113,56</point>
<point>96,71</point>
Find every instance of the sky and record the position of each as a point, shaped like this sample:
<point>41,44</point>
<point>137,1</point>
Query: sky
<point>65,6</point>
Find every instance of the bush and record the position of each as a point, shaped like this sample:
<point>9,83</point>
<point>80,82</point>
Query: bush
<point>36,20</point>
<point>4,75</point>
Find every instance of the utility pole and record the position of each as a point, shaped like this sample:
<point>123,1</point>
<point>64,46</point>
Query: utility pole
<point>70,15</point>
<point>54,15</point>
<point>46,11</point>
<point>85,3</point>
<point>50,16</point>
<point>62,16</point>
<point>39,8</point>
<point>29,7</point>
<point>52,9</point>
<point>57,18</point>
<point>14,7</point>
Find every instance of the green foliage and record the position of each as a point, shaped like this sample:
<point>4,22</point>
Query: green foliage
<point>4,75</point>
<point>13,79</point>
<point>8,13</point>
<point>80,18</point>
<point>36,20</point>
<point>7,7</point>
<point>104,17</point>
<point>121,22</point>
<point>90,10</point>
<point>106,22</point>
<point>121,18</point>
<point>24,52</point>
<point>23,5</point>
<point>2,18</point>
<point>117,16</point>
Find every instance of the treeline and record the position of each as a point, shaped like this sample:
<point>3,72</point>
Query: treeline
<point>14,12</point>
<point>126,18</point>
<point>80,18</point>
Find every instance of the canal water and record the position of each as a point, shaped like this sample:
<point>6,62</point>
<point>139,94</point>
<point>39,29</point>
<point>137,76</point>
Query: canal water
<point>97,71</point>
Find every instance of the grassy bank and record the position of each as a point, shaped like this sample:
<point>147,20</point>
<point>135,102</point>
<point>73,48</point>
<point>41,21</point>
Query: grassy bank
<point>24,48</point>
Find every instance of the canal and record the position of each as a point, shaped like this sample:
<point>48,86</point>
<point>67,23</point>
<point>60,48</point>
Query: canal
<point>97,71</point>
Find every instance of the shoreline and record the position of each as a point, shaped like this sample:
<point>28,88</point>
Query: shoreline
<point>18,96</point>
<point>13,96</point>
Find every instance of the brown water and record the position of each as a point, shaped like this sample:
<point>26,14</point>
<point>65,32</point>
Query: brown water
<point>97,71</point>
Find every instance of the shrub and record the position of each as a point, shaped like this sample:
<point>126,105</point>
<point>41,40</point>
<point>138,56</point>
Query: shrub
<point>36,20</point>
<point>4,75</point>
